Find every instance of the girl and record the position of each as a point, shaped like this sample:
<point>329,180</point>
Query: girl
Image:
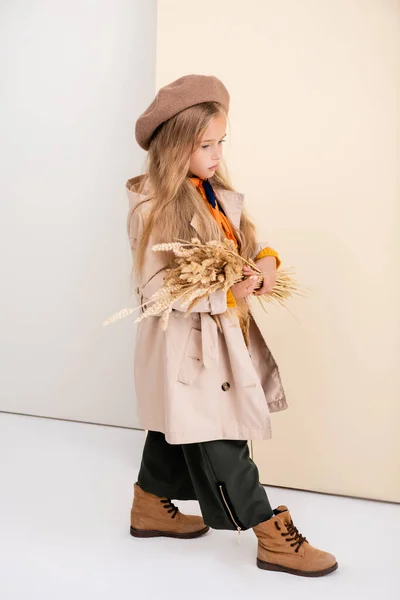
<point>203,389</point>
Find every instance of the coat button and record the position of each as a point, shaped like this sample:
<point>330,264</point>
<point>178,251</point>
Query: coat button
<point>226,386</point>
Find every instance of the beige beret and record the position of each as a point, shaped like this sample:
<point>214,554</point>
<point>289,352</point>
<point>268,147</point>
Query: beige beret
<point>175,97</point>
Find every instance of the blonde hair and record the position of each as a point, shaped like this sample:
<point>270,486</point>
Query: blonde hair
<point>174,199</point>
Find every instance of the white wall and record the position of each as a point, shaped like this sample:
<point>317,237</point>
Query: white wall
<point>75,75</point>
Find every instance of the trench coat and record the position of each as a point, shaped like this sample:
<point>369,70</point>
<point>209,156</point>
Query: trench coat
<point>195,382</point>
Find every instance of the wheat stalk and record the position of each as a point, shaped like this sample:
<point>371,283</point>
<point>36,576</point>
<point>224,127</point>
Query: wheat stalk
<point>200,270</point>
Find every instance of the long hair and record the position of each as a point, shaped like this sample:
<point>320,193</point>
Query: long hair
<point>174,199</point>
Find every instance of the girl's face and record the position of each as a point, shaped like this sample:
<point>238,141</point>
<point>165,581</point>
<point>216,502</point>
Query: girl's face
<point>205,160</point>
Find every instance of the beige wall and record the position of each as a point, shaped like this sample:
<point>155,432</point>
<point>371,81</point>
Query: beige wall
<point>315,147</point>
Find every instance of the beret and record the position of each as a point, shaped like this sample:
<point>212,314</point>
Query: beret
<point>175,97</point>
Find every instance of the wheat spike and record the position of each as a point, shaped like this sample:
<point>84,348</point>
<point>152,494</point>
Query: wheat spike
<point>200,270</point>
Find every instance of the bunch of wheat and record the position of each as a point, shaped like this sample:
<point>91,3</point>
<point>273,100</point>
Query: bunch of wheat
<point>200,270</point>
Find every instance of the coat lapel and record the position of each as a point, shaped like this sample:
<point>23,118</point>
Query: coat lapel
<point>231,202</point>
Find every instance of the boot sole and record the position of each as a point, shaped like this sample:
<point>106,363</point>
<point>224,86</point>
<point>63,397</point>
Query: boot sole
<point>273,567</point>
<point>148,533</point>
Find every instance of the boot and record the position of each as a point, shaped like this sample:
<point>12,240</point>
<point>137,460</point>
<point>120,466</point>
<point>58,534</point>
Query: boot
<point>282,548</point>
<point>152,516</point>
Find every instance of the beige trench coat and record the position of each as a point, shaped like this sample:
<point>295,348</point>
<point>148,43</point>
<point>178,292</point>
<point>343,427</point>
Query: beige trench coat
<point>193,382</point>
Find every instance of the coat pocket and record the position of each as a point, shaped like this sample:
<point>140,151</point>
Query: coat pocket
<point>192,361</point>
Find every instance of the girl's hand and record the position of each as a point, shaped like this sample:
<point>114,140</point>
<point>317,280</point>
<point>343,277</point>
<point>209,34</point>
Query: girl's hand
<point>245,288</point>
<point>268,267</point>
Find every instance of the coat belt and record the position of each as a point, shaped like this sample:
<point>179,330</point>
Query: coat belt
<point>209,340</point>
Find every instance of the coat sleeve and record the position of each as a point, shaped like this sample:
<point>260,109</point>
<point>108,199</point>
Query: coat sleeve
<point>215,303</point>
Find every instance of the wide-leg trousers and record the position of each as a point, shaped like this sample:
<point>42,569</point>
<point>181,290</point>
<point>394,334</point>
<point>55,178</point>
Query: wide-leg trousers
<point>220,474</point>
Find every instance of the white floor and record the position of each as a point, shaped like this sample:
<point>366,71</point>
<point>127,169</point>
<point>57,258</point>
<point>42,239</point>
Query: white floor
<point>66,492</point>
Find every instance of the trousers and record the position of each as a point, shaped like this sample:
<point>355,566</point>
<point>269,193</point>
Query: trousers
<point>220,474</point>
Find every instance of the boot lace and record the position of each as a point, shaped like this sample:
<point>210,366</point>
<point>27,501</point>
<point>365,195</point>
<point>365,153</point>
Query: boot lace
<point>296,538</point>
<point>170,506</point>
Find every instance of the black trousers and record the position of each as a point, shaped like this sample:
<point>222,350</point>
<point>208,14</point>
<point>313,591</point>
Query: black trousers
<point>219,474</point>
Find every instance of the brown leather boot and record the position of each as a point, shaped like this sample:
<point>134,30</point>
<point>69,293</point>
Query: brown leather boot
<point>282,548</point>
<point>152,516</point>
